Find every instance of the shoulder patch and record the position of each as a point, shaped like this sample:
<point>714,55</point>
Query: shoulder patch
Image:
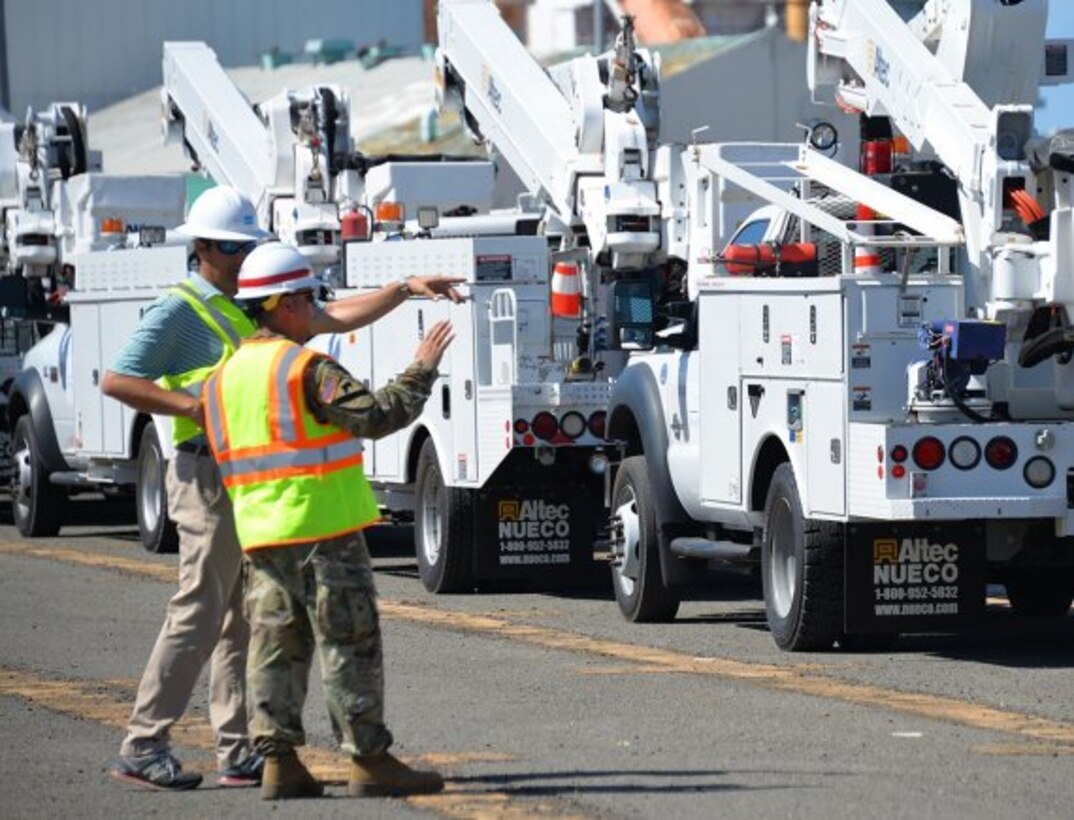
<point>328,388</point>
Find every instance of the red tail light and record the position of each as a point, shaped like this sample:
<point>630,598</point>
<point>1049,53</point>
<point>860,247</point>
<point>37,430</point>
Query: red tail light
<point>596,423</point>
<point>929,453</point>
<point>1001,452</point>
<point>521,426</point>
<point>899,454</point>
<point>545,426</point>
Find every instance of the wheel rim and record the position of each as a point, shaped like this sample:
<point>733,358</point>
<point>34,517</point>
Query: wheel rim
<point>783,568</point>
<point>151,491</point>
<point>627,547</point>
<point>431,502</point>
<point>24,478</point>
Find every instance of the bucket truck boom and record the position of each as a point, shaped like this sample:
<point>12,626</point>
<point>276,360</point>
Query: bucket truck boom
<point>960,79</point>
<point>289,155</point>
<point>580,135</point>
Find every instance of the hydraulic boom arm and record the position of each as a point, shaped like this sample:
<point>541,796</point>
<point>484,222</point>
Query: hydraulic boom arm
<point>960,77</point>
<point>579,136</point>
<point>284,155</point>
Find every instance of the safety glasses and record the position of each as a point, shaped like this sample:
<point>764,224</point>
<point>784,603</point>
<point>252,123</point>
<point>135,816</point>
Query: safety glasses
<point>230,247</point>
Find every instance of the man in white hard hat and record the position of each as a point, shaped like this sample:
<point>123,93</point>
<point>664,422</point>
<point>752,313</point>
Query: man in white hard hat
<point>187,333</point>
<point>284,424</point>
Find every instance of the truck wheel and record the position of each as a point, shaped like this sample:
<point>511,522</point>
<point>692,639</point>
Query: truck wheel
<point>801,571</point>
<point>639,586</point>
<point>1039,592</point>
<point>37,506</point>
<point>443,528</point>
<point>156,530</point>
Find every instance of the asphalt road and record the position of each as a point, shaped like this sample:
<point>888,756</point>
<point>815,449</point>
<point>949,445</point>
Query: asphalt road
<point>551,705</point>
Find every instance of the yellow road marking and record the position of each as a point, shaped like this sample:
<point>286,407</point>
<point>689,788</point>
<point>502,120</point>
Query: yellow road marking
<point>781,678</point>
<point>1023,749</point>
<point>161,572</point>
<point>96,700</point>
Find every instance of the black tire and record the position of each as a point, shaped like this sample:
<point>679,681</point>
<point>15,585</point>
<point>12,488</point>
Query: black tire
<point>801,571</point>
<point>155,529</point>
<point>639,585</point>
<point>37,506</point>
<point>1039,592</point>
<point>443,528</point>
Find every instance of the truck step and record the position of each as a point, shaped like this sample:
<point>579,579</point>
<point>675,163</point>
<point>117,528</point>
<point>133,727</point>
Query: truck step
<point>729,551</point>
<point>72,479</point>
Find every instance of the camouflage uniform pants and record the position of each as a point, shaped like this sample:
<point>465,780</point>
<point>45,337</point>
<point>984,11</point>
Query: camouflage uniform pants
<point>321,595</point>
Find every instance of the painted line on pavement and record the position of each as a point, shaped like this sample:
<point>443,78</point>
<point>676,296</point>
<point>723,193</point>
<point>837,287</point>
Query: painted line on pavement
<point>108,702</point>
<point>782,678</point>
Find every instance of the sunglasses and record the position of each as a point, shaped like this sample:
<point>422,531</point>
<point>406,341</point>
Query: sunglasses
<point>230,247</point>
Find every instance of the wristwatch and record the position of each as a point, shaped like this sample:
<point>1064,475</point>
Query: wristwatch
<point>404,288</point>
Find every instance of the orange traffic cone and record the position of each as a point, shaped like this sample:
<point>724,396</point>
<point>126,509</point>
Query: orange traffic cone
<point>566,291</point>
<point>866,257</point>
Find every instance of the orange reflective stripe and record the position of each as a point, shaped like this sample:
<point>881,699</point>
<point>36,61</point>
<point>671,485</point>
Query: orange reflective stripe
<point>242,479</point>
<point>295,395</point>
<point>280,447</point>
<point>297,386</point>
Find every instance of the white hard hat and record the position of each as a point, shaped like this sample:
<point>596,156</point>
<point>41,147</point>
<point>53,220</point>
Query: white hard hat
<point>274,268</point>
<point>222,213</point>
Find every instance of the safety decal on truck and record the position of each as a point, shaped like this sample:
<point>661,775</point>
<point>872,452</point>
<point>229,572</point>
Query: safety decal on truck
<point>862,397</point>
<point>492,266</point>
<point>860,357</point>
<point>914,577</point>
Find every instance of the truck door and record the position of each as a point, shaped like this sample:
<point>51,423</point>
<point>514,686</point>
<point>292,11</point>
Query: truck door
<point>721,398</point>
<point>454,400</point>
<point>101,425</point>
<point>678,377</point>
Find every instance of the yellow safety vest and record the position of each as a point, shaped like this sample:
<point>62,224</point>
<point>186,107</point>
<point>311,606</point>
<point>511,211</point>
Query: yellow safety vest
<point>228,322</point>
<point>291,478</point>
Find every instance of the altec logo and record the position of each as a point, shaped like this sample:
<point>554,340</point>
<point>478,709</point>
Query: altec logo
<point>534,519</point>
<point>914,561</point>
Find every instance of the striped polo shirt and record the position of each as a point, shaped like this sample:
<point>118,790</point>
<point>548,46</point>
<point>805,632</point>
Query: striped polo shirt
<point>171,339</point>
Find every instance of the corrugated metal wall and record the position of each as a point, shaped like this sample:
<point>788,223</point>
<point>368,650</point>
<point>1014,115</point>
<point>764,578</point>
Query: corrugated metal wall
<point>99,51</point>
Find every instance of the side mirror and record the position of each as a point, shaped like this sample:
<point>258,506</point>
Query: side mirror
<point>630,320</point>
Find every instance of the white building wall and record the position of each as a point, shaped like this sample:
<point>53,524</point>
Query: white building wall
<point>99,51</point>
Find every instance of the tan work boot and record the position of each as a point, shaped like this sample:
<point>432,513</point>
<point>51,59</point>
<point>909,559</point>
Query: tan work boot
<point>384,775</point>
<point>285,777</point>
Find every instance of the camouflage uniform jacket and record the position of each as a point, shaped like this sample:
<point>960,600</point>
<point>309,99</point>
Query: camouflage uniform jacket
<point>335,397</point>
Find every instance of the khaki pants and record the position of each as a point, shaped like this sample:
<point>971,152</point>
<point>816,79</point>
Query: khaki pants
<point>204,620</point>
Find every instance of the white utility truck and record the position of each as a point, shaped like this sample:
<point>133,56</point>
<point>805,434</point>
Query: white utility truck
<point>81,265</point>
<point>891,435</point>
<point>502,472</point>
<point>867,391</point>
<point>46,146</point>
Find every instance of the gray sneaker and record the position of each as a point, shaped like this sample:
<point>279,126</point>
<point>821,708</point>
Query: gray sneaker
<point>247,772</point>
<point>155,771</point>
